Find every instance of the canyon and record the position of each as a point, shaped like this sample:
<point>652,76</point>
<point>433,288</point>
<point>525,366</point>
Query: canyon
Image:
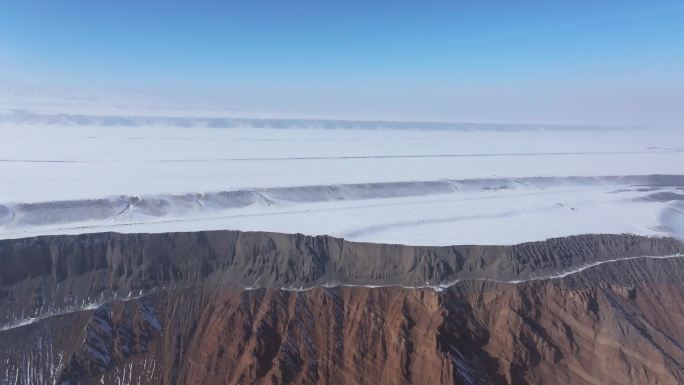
<point>229,307</point>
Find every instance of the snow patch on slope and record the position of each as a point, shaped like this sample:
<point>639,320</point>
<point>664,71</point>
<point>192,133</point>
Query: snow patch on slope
<point>441,212</point>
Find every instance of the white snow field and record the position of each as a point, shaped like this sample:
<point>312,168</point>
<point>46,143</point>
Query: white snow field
<point>397,182</point>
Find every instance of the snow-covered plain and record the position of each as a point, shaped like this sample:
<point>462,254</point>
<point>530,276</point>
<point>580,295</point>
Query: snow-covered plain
<point>399,182</point>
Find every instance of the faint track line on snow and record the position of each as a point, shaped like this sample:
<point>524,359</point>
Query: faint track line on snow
<point>346,157</point>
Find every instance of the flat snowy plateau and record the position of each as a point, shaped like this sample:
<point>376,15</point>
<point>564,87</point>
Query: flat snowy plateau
<point>390,182</point>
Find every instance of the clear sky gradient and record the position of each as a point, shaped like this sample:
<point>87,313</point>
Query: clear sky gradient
<point>615,62</point>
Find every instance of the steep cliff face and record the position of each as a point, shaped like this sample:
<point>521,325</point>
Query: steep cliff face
<point>218,308</point>
<point>44,275</point>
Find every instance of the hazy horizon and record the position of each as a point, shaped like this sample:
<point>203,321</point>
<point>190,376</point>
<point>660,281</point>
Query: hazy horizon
<point>612,63</point>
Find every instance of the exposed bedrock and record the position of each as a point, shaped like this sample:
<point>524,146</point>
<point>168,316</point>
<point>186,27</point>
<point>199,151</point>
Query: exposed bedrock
<point>567,331</point>
<point>58,271</point>
<point>183,308</point>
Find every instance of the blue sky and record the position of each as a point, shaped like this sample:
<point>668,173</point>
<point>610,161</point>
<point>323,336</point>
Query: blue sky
<point>580,61</point>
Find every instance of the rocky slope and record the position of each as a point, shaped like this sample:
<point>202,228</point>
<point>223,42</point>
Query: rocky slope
<point>241,308</point>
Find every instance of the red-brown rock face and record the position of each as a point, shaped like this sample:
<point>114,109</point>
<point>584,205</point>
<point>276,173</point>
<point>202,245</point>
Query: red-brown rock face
<point>619,322</point>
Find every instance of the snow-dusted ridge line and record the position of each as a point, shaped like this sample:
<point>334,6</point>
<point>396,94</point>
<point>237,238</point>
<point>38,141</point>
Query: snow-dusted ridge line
<point>154,207</point>
<point>173,172</point>
<point>18,116</point>
<point>85,306</point>
<point>533,277</point>
<point>438,288</point>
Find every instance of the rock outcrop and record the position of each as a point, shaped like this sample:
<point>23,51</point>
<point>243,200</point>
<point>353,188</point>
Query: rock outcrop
<point>259,308</point>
